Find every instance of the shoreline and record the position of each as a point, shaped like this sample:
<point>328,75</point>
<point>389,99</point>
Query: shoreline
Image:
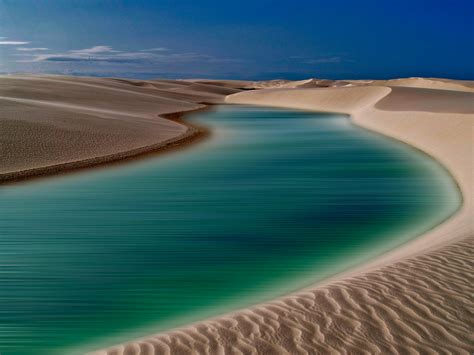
<point>193,134</point>
<point>412,262</point>
<point>356,117</point>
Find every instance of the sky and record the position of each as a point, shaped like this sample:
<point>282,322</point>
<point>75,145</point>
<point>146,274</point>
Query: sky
<point>245,39</point>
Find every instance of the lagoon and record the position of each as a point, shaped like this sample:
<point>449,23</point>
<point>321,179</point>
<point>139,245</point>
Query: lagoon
<point>272,202</point>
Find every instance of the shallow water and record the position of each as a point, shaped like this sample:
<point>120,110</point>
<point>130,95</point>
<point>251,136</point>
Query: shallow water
<point>274,201</point>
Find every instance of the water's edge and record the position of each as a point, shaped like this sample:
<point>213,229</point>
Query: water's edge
<point>193,134</point>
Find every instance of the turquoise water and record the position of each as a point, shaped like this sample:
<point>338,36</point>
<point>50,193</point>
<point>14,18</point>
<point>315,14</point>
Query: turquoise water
<point>274,201</point>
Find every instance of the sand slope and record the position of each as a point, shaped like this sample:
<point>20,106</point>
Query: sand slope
<point>415,299</point>
<point>52,123</point>
<point>429,83</point>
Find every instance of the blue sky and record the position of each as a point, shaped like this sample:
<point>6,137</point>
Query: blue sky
<point>257,39</point>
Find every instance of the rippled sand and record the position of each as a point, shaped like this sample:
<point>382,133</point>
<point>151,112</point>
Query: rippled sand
<point>415,306</point>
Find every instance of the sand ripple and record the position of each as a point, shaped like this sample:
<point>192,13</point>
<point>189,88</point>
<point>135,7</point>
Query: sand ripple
<point>422,305</point>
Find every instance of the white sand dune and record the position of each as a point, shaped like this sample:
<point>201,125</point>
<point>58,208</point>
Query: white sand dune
<point>417,299</point>
<point>423,83</point>
<point>49,124</point>
<point>430,83</point>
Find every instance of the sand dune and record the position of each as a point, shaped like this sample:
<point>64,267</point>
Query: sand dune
<point>274,84</point>
<point>232,84</point>
<point>53,123</point>
<point>415,299</point>
<point>427,100</point>
<point>430,83</point>
<point>423,83</point>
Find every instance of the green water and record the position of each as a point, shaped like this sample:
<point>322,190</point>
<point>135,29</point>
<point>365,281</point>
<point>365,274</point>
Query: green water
<point>272,202</point>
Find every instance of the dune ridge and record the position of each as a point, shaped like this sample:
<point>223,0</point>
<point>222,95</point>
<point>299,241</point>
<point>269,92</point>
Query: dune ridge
<point>415,82</point>
<point>415,299</point>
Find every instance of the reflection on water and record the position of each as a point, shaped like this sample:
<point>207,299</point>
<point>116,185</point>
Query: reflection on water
<point>274,201</point>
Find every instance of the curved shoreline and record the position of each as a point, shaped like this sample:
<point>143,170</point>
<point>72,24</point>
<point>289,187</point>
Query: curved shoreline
<point>423,267</point>
<point>361,115</point>
<point>193,134</point>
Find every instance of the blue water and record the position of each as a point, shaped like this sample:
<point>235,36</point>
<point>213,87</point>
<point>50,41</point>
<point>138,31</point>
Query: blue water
<point>274,201</point>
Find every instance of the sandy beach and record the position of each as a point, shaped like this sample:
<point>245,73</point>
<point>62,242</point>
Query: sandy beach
<point>415,299</point>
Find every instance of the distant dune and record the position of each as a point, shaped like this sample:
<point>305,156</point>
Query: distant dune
<point>424,83</point>
<point>430,83</point>
<point>415,299</point>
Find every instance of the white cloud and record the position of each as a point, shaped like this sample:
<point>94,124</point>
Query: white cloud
<point>156,49</point>
<point>106,54</point>
<point>12,43</point>
<point>94,50</point>
<point>28,49</point>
